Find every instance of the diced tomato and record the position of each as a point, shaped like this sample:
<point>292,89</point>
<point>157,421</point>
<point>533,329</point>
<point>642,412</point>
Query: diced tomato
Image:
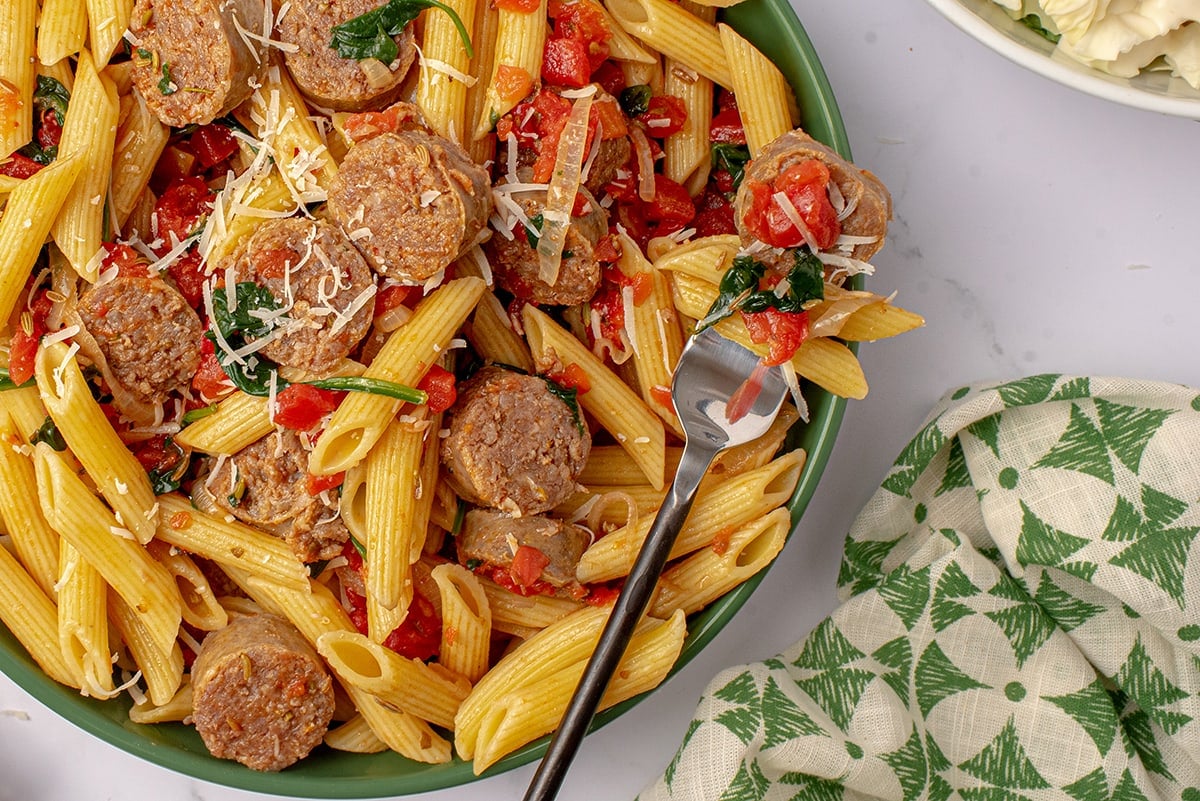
<point>804,185</point>
<point>367,124</point>
<point>440,387</point>
<point>662,396</point>
<point>664,115</point>
<point>512,83</point>
<point>726,100</point>
<point>210,381</point>
<point>784,332</point>
<point>714,214</point>
<point>643,288</point>
<point>601,594</point>
<point>607,113</point>
<point>584,22</point>
<point>129,262</point>
<point>175,162</point>
<point>157,454</point>
<point>552,112</point>
<point>188,274</point>
<point>212,145</point>
<point>391,297</point>
<point>19,166</point>
<point>420,635</point>
<point>528,6</point>
<point>672,207</point>
<point>572,376</point>
<point>27,334</point>
<point>504,577</point>
<point>49,132</point>
<point>608,249</point>
<point>527,565</point>
<point>315,485</point>
<point>726,126</point>
<point>301,406</point>
<point>274,262</point>
<point>181,209</point>
<point>610,77</point>
<point>565,63</point>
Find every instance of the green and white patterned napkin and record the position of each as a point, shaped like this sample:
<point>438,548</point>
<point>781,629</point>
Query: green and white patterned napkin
<point>1020,619</point>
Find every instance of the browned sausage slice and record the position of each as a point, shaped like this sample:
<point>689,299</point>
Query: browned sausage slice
<point>148,337</point>
<point>515,261</point>
<point>321,282</point>
<point>512,444</point>
<point>411,201</point>
<point>265,485</point>
<point>323,76</point>
<point>261,694</point>
<point>191,63</point>
<point>493,538</point>
<point>862,191</point>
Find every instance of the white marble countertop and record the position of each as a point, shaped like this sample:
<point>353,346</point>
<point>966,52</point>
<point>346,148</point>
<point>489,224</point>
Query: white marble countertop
<point>1038,229</point>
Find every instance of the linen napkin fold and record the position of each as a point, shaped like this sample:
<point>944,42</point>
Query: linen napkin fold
<point>1019,619</point>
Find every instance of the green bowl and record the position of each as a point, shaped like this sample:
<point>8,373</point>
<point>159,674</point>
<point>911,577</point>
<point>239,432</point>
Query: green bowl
<point>772,26</point>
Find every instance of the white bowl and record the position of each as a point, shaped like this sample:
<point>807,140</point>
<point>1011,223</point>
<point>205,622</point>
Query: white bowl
<point>990,24</point>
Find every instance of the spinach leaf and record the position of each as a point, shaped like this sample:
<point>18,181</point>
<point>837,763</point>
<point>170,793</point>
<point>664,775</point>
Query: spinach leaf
<point>530,236</point>
<point>48,433</point>
<point>169,478</point>
<point>51,94</point>
<point>370,35</point>
<point>731,158</point>
<point>635,99</point>
<point>739,289</point>
<point>373,386</point>
<point>1034,23</point>
<point>240,326</point>
<point>569,396</point>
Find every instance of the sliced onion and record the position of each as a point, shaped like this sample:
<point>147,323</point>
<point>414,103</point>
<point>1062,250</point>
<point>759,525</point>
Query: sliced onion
<point>560,197</point>
<point>645,161</point>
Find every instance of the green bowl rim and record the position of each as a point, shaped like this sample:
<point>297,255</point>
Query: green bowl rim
<point>773,27</point>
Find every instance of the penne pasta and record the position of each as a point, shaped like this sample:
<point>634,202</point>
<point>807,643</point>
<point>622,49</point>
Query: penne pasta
<point>119,476</point>
<point>161,664</point>
<point>62,29</point>
<point>83,622</point>
<point>441,88</point>
<point>725,506</point>
<point>355,736</point>
<point>89,132</point>
<point>676,33</point>
<point>141,139</point>
<point>491,334</point>
<point>694,582</point>
<point>407,355</point>
<point>35,542</point>
<point>239,420</point>
<point>466,621</point>
<point>17,58</point>
<point>201,610</point>
<point>26,222</point>
<point>765,100</point>
<point>107,22</point>
<point>83,521</point>
<point>176,710</point>
<point>32,618</point>
<point>484,35</point>
<point>516,64</point>
<point>614,405</point>
<point>687,155</point>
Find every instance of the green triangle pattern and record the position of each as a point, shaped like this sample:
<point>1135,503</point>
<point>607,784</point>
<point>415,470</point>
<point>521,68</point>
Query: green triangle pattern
<point>987,431</point>
<point>1091,787</point>
<point>1073,389</point>
<point>827,648</point>
<point>909,764</point>
<point>748,785</point>
<point>1025,624</point>
<point>1042,544</point>
<point>741,689</point>
<point>913,460</point>
<point>953,583</point>
<point>1092,708</point>
<point>812,788</point>
<point>991,794</point>
<point>1004,763</point>
<point>1128,429</point>
<point>906,593</point>
<point>1027,391</point>
<point>1161,558</point>
<point>957,476</point>
<point>743,722</point>
<point>1145,684</point>
<point>1139,741</point>
<point>838,692</point>
<point>785,721</point>
<point>1127,789</point>
<point>896,654</point>
<point>862,563</point>
<point>937,678</point>
<point>1081,448</point>
<point>1125,524</point>
<point>939,789</point>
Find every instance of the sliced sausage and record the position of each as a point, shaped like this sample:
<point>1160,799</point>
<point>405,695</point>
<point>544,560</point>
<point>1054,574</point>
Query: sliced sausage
<point>191,64</point>
<point>494,537</point>
<point>612,155</point>
<point>265,485</point>
<point>147,336</point>
<point>412,202</point>
<point>862,191</point>
<point>261,694</point>
<point>512,444</point>
<point>322,75</point>
<point>321,281</point>
<point>515,261</point>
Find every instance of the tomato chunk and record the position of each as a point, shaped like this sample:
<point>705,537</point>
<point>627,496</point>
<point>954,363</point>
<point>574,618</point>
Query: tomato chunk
<point>315,485</point>
<point>784,332</point>
<point>803,184</point>
<point>565,63</point>
<point>301,406</point>
<point>440,387</point>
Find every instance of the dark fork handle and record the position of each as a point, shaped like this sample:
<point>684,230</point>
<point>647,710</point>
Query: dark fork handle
<point>626,613</point>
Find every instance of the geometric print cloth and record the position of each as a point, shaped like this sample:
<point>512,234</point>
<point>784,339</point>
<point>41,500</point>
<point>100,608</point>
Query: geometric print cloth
<point>1019,619</point>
